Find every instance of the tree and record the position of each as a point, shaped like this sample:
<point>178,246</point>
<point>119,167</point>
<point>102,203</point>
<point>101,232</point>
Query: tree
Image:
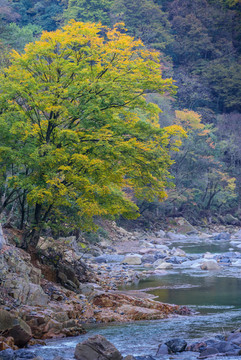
<point>88,141</point>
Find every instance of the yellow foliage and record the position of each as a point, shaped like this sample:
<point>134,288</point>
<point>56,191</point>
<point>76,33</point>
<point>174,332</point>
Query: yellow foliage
<point>82,118</point>
<point>188,119</point>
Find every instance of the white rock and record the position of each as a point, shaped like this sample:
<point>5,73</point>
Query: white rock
<point>237,234</point>
<point>179,252</point>
<point>208,255</point>
<point>174,236</point>
<point>210,265</point>
<point>196,264</point>
<point>158,262</point>
<point>161,233</point>
<point>165,266</point>
<point>132,260</point>
<point>146,244</point>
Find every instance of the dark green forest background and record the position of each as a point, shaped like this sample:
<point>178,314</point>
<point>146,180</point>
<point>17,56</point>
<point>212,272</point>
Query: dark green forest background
<point>200,47</point>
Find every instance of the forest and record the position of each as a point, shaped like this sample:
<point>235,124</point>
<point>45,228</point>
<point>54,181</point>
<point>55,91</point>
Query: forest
<point>115,105</point>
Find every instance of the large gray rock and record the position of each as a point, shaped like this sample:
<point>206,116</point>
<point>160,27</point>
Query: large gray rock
<point>36,296</point>
<point>176,345</point>
<point>97,348</point>
<point>222,236</point>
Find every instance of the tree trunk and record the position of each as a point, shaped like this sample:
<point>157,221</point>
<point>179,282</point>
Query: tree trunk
<point>32,236</point>
<point>2,239</point>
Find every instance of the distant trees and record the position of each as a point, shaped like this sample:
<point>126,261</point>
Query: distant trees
<point>145,20</point>
<point>89,10</point>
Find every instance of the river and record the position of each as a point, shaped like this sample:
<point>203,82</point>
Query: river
<point>215,297</point>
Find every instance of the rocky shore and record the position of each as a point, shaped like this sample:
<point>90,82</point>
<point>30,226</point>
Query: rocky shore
<point>57,292</point>
<point>67,285</point>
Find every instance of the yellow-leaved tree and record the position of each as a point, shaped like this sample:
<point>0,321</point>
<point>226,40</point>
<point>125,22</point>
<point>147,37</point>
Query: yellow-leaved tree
<point>85,139</point>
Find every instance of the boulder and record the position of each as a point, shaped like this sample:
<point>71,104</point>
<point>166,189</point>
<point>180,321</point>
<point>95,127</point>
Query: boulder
<point>132,260</point>
<point>176,345</point>
<point>222,236</point>
<point>97,347</point>
<point>165,266</point>
<point>238,234</point>
<point>162,350</point>
<point>173,236</point>
<point>158,262</point>
<point>210,265</point>
<point>176,260</point>
<point>179,252</point>
<point>148,258</point>
<point>36,296</point>
<point>231,220</point>
<point>208,352</point>
<point>227,347</point>
<point>161,233</point>
<point>89,288</point>
<point>14,327</point>
<point>235,338</point>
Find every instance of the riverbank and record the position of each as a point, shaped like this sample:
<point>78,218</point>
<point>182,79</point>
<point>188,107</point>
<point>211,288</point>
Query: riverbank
<point>89,295</point>
<point>61,290</point>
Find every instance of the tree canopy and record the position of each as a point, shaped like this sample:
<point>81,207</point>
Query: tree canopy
<point>78,129</point>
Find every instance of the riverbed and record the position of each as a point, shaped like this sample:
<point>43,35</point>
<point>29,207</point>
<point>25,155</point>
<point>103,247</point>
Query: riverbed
<point>214,296</point>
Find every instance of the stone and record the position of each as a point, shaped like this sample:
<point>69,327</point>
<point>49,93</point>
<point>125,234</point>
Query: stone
<point>210,265</point>
<point>89,288</point>
<point>36,296</point>
<point>148,258</point>
<point>226,347</point>
<point>235,338</point>
<point>207,352</point>
<point>161,233</point>
<point>238,234</point>
<point>162,350</point>
<point>15,327</point>
<point>97,347</point>
<point>231,220</point>
<point>176,260</point>
<point>176,345</point>
<point>158,262</point>
<point>179,252</point>
<point>129,357</point>
<point>100,259</point>
<point>132,260</point>
<point>222,236</point>
<point>165,266</point>
<point>173,236</point>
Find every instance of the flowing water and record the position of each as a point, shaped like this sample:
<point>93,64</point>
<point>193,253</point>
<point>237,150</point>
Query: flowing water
<point>215,296</point>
